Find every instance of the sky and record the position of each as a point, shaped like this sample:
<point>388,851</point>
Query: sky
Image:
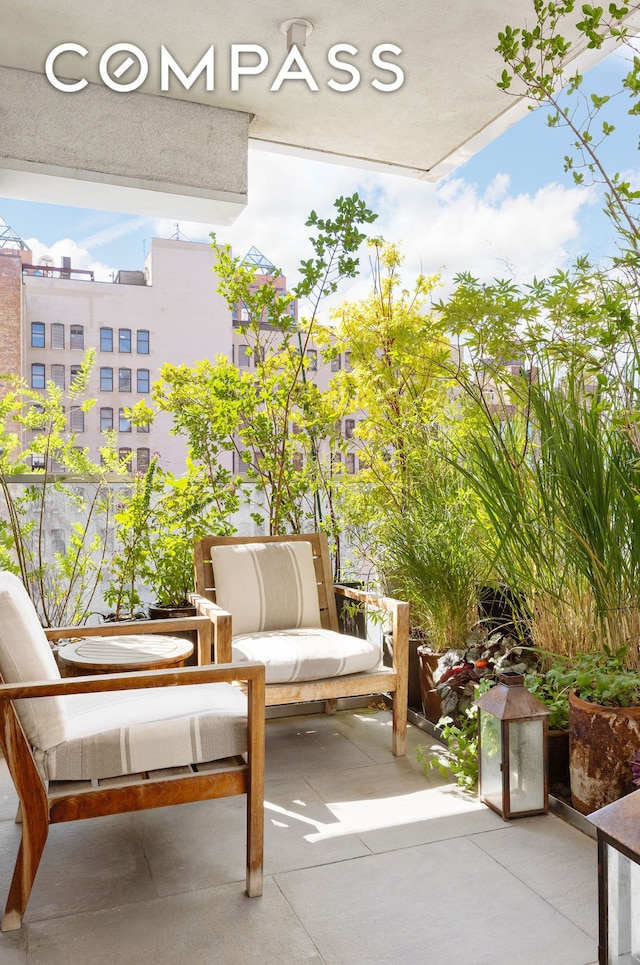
<point>508,212</point>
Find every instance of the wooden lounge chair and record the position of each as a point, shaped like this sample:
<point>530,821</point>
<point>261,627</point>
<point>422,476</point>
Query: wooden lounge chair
<point>114,751</point>
<point>272,598</point>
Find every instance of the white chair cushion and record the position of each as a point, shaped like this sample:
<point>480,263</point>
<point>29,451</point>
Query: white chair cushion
<point>26,656</point>
<point>125,732</point>
<point>267,586</point>
<point>305,653</point>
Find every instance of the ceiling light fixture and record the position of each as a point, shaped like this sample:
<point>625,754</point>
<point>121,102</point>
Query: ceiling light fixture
<point>296,31</point>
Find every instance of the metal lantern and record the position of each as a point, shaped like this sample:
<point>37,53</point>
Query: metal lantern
<point>618,827</point>
<point>512,748</point>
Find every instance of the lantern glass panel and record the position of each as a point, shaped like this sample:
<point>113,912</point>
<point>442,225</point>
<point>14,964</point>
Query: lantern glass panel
<point>491,760</point>
<point>526,773</point>
<point>623,908</point>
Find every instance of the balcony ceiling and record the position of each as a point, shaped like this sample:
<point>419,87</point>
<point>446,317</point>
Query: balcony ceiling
<point>447,108</point>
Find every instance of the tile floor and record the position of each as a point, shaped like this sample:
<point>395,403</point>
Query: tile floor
<point>366,861</point>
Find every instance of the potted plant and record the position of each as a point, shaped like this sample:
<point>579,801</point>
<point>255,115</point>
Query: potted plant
<point>604,725</point>
<point>156,529</point>
<point>430,556</point>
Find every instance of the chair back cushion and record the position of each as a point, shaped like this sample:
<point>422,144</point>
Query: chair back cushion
<point>267,586</point>
<point>25,656</point>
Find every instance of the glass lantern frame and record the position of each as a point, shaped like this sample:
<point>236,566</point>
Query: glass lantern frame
<point>511,704</point>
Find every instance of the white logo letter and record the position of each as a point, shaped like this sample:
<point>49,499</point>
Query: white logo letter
<point>285,73</point>
<point>124,67</point>
<point>237,70</point>
<point>48,67</point>
<point>392,68</point>
<point>168,63</point>
<point>348,68</point>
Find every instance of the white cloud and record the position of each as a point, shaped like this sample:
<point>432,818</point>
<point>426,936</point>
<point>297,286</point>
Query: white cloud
<point>445,228</point>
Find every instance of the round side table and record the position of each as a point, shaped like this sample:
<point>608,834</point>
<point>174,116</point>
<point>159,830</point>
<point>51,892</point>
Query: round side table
<point>141,651</point>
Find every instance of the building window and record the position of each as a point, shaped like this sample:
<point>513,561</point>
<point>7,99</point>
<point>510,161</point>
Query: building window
<point>106,379</point>
<point>350,462</point>
<point>241,462</point>
<point>296,461</point>
<point>76,419</point>
<point>76,336</point>
<point>124,424</point>
<point>106,419</point>
<point>142,459</point>
<point>336,363</point>
<point>106,340</point>
<point>37,335</point>
<point>312,358</point>
<point>142,341</point>
<point>58,544</point>
<point>124,380</point>
<point>125,455</point>
<point>143,428</point>
<point>57,335</point>
<point>37,376</point>
<point>124,340</point>
<point>57,375</point>
<point>142,381</point>
<point>37,460</point>
<point>347,361</point>
<point>244,360</point>
<point>349,426</point>
<point>74,372</point>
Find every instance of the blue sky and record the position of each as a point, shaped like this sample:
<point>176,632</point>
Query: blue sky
<point>509,211</point>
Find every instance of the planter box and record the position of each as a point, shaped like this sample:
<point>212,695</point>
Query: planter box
<point>431,704</point>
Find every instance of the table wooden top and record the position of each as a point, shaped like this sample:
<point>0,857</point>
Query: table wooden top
<point>126,652</point>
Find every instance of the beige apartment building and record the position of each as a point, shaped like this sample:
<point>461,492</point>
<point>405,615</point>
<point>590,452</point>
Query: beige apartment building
<point>168,312</point>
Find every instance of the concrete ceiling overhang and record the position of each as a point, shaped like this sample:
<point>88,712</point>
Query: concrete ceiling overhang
<point>183,153</point>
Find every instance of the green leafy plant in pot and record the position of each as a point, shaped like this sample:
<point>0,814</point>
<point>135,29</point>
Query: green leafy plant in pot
<point>604,724</point>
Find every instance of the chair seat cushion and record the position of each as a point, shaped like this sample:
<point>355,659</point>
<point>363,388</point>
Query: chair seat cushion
<point>305,653</point>
<point>125,732</point>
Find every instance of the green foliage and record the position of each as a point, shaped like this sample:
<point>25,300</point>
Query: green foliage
<point>431,556</point>
<point>536,60</point>
<point>398,379</point>
<point>271,415</point>
<point>460,756</point>
<point>80,494</point>
<point>157,525</point>
<point>554,695</point>
<point>484,657</point>
<point>601,677</point>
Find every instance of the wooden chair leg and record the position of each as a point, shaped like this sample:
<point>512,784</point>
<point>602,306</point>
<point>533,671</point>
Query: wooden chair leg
<point>35,828</point>
<point>399,739</point>
<point>255,789</point>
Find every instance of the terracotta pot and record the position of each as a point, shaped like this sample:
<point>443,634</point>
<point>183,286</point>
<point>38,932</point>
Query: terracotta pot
<point>602,742</point>
<point>431,705</point>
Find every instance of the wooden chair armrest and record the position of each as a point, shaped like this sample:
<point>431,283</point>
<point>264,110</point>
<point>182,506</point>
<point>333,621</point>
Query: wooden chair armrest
<point>222,627</point>
<point>399,623</point>
<point>127,626</point>
<point>369,597</point>
<point>146,679</point>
